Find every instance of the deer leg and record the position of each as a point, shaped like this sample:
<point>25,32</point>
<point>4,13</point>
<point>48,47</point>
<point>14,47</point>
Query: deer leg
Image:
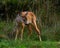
<point>23,25</point>
<point>30,30</point>
<point>38,31</point>
<point>17,31</point>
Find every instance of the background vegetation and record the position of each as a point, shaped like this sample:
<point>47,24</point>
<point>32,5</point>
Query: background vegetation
<point>48,20</point>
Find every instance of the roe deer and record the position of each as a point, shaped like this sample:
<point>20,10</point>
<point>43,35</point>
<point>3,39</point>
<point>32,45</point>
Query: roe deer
<point>26,18</point>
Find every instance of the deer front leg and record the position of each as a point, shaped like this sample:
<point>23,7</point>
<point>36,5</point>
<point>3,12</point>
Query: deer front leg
<point>17,31</point>
<point>38,31</point>
<point>22,29</point>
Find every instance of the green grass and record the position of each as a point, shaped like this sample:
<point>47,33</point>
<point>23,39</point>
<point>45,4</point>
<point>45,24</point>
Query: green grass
<point>28,44</point>
<point>48,38</point>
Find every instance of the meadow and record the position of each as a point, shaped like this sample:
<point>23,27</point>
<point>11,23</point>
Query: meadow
<point>28,44</point>
<point>48,41</point>
<point>48,21</point>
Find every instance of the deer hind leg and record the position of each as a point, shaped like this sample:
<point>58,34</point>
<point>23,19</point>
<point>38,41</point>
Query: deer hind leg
<point>38,31</point>
<point>22,29</point>
<point>30,30</point>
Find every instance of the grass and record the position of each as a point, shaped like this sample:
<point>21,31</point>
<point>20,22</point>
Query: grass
<point>28,44</point>
<point>33,42</point>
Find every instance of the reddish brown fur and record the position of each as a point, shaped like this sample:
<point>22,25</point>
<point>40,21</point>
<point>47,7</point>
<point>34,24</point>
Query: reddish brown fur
<point>31,18</point>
